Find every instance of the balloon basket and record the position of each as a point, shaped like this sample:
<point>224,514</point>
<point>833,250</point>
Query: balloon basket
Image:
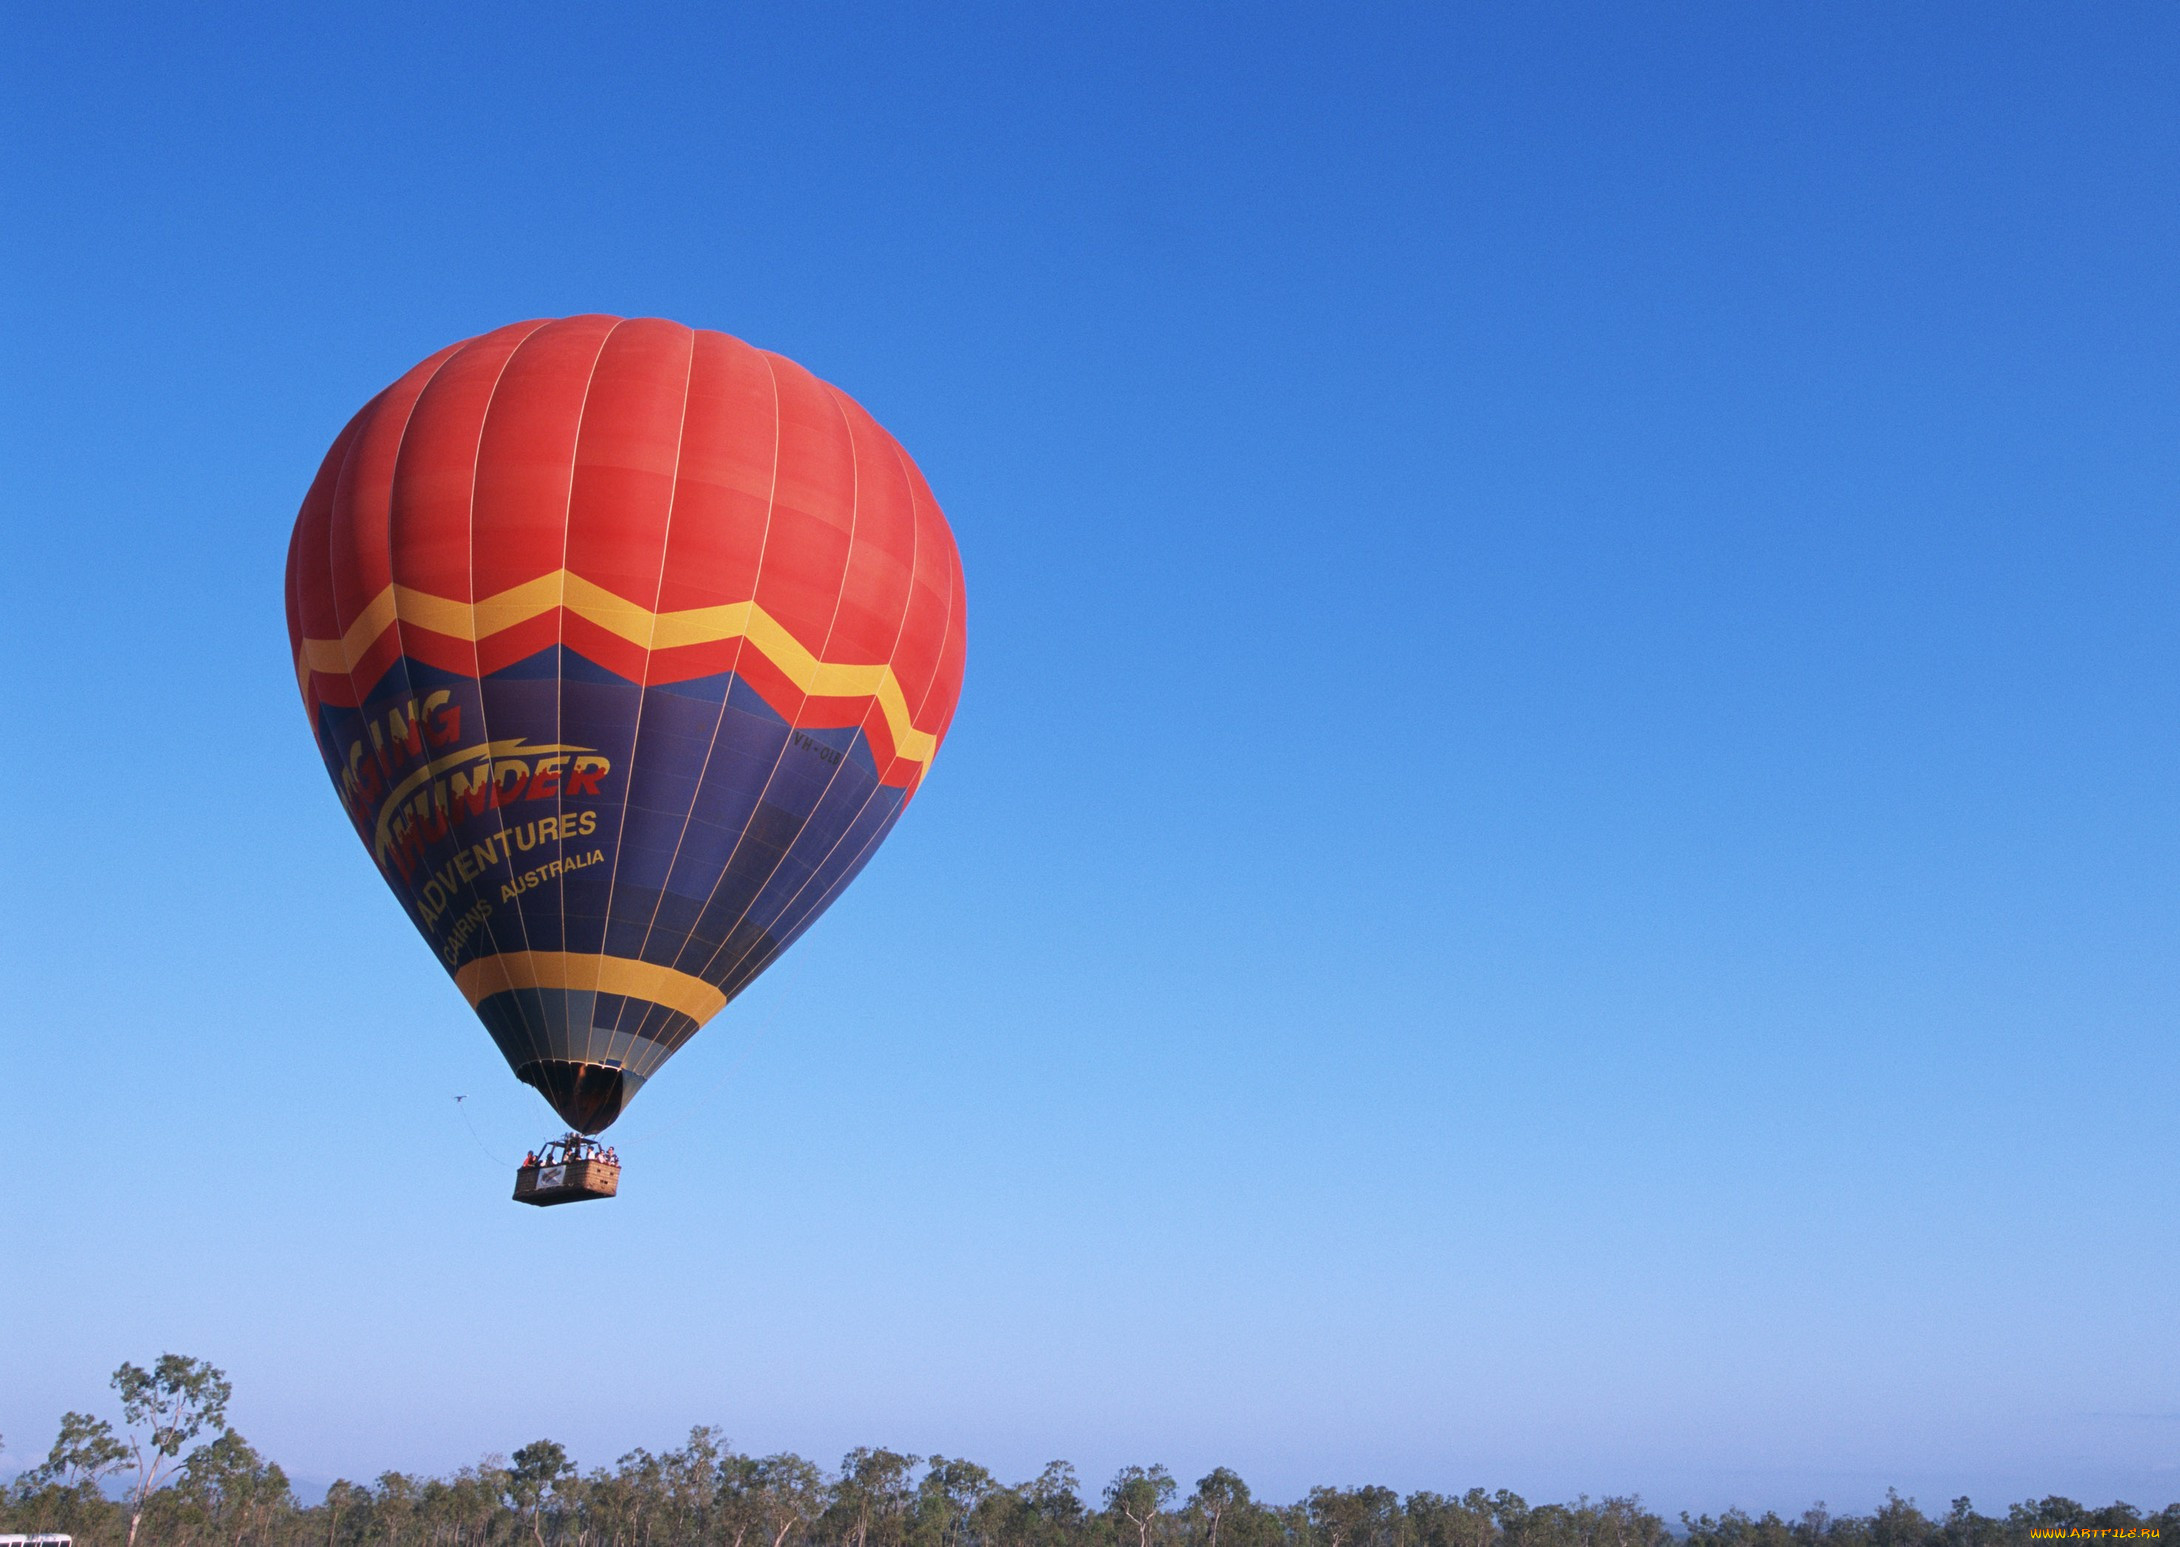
<point>568,1170</point>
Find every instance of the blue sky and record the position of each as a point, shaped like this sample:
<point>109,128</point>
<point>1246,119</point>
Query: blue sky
<point>1558,865</point>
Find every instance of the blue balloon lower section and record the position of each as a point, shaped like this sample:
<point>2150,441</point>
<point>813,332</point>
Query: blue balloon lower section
<point>601,864</point>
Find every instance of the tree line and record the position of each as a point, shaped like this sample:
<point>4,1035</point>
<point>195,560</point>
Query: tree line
<point>173,1473</point>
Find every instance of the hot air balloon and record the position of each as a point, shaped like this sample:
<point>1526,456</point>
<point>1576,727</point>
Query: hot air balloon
<point>625,645</point>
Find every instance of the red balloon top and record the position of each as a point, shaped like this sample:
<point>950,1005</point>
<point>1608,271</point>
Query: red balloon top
<point>666,501</point>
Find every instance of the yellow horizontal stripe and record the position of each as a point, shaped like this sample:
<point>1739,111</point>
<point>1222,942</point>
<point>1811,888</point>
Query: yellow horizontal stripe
<point>489,975</point>
<point>636,624</point>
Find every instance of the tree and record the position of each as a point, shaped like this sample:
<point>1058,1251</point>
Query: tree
<point>1055,1494</point>
<point>1736,1528</point>
<point>1139,1495</point>
<point>341,1498</point>
<point>537,1470</point>
<point>1219,1494</point>
<point>164,1408</point>
<point>1440,1521</point>
<point>947,1500</point>
<point>689,1480</point>
<point>790,1494</point>
<point>1618,1521</point>
<point>741,1505</point>
<point>396,1501</point>
<point>1898,1523</point>
<point>1353,1517</point>
<point>476,1497</point>
<point>642,1482</point>
<point>85,1451</point>
<point>239,1491</point>
<point>1043,1512</point>
<point>872,1495</point>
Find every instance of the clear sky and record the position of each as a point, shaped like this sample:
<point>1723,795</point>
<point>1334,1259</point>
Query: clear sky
<point>1560,865</point>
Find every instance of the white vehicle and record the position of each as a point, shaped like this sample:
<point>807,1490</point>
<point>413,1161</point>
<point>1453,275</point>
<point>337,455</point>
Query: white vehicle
<point>19,1540</point>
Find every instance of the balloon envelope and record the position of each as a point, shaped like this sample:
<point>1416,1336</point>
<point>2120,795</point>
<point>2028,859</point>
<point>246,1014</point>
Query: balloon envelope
<point>625,645</point>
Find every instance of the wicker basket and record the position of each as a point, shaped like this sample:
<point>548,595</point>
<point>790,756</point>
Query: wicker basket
<point>571,1182</point>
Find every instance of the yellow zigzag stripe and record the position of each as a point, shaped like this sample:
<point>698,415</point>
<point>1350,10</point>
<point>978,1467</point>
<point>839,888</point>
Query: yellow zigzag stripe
<point>635,623</point>
<point>489,975</point>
